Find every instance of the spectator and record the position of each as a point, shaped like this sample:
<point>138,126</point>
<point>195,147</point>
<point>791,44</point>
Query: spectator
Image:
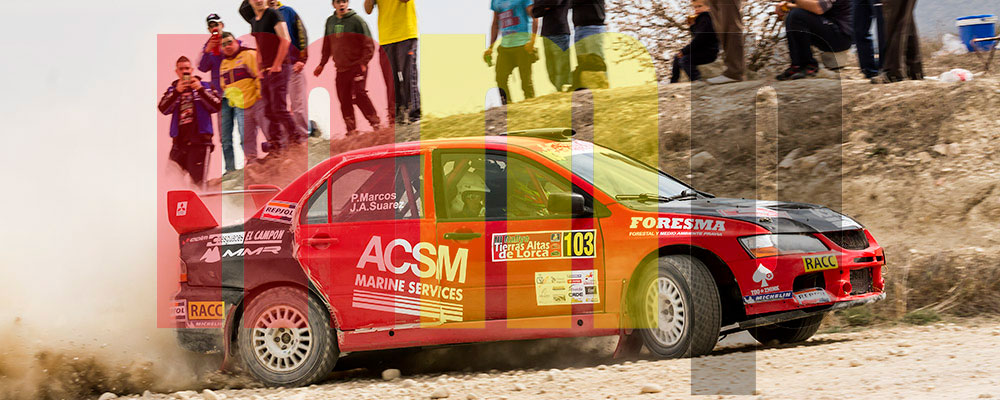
<point>864,12</point>
<point>901,33</point>
<point>211,59</point>
<point>588,20</point>
<point>512,20</point>
<point>555,29</point>
<point>729,27</point>
<point>397,30</point>
<point>273,42</point>
<point>297,56</point>
<point>824,24</point>
<point>190,105</point>
<point>704,46</point>
<point>241,86</point>
<point>349,42</point>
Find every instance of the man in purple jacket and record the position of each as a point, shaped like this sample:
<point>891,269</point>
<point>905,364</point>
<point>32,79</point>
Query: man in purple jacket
<point>190,105</point>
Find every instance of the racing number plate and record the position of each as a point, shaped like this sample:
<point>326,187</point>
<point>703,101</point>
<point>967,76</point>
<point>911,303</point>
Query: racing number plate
<point>544,245</point>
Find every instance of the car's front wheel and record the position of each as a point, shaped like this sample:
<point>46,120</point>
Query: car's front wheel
<point>794,331</point>
<point>285,338</point>
<point>677,307</point>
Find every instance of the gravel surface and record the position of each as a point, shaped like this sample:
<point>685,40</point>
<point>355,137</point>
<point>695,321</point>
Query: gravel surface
<point>939,361</point>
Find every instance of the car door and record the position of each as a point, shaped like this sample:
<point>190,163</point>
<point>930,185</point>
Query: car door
<point>357,237</point>
<point>528,256</point>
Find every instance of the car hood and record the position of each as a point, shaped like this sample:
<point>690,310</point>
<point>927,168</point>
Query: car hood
<point>775,216</point>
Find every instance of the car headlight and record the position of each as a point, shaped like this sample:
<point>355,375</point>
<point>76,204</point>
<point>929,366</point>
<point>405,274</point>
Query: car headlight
<point>781,244</point>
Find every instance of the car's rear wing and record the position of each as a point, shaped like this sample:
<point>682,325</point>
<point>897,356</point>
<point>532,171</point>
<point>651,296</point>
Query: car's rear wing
<point>188,213</point>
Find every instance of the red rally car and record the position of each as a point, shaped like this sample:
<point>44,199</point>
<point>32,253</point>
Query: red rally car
<point>522,236</point>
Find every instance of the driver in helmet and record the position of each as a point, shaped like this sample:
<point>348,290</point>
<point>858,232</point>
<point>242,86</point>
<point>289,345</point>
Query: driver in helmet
<point>472,194</point>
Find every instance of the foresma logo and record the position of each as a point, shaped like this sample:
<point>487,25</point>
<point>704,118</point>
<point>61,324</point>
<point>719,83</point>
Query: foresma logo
<point>697,224</point>
<point>443,266</point>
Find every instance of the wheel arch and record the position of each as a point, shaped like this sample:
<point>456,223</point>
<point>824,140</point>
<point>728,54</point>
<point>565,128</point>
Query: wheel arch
<point>729,291</point>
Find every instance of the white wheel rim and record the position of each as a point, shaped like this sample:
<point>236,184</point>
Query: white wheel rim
<point>282,340</point>
<point>666,316</point>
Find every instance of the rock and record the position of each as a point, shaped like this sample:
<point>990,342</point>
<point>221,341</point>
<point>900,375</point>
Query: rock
<point>390,374</point>
<point>822,169</point>
<point>208,394</point>
<point>954,149</point>
<point>903,344</point>
<point>940,148</point>
<point>471,396</point>
<point>549,376</point>
<point>789,160</point>
<point>808,162</point>
<point>650,388</point>
<point>518,387</point>
<point>186,394</point>
<point>440,393</point>
<point>855,363</point>
<point>924,157</point>
<point>986,396</point>
<point>147,394</point>
<point>701,160</point>
<point>108,396</point>
<point>407,383</point>
<point>859,136</point>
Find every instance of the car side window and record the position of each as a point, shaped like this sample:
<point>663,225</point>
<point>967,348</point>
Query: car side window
<point>316,207</point>
<point>377,190</point>
<point>496,186</point>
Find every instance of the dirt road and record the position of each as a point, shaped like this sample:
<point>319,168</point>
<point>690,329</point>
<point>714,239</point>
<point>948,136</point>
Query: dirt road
<point>940,361</point>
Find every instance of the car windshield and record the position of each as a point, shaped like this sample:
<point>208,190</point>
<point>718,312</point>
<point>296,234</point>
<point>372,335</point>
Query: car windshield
<point>612,172</point>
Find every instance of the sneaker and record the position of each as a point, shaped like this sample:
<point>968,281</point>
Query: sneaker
<point>807,72</point>
<point>721,80</point>
<point>788,74</point>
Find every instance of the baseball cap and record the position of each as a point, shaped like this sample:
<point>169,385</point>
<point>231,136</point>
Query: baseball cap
<point>213,17</point>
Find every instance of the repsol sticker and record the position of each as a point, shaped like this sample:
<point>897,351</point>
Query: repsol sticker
<point>812,296</point>
<point>206,310</point>
<point>278,211</point>
<point>820,263</point>
<point>544,245</point>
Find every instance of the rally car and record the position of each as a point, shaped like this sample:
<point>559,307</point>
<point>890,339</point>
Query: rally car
<point>526,235</point>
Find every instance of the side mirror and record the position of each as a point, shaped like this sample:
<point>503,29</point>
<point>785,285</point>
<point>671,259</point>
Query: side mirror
<point>569,203</point>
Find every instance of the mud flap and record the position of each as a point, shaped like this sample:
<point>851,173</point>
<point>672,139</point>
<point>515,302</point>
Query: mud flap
<point>629,345</point>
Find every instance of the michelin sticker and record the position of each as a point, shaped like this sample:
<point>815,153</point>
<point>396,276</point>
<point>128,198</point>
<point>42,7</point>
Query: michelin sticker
<point>278,211</point>
<point>566,287</point>
<point>544,245</point>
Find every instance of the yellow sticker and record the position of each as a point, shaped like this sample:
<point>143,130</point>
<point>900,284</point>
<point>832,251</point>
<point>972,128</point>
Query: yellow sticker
<point>566,287</point>
<point>206,310</point>
<point>820,263</point>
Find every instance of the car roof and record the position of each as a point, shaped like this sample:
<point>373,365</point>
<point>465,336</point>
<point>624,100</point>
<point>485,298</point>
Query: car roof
<point>457,143</point>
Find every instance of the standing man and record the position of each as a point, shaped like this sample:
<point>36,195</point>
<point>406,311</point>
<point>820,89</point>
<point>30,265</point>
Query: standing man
<point>240,83</point>
<point>512,20</point>
<point>350,43</point>
<point>728,22</point>
<point>555,31</point>
<point>901,34</point>
<point>190,105</point>
<point>271,33</point>
<point>864,12</point>
<point>297,57</point>
<point>397,31</point>
<point>211,59</point>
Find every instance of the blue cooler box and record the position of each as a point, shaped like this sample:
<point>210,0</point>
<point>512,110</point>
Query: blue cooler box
<point>977,27</point>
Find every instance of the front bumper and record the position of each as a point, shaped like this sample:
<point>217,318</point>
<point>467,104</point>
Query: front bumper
<point>797,314</point>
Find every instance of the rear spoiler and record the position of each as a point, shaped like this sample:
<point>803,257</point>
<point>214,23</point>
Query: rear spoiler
<point>188,213</point>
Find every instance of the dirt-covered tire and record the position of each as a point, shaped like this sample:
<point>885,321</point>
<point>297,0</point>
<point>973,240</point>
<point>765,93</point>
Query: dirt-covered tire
<point>676,307</point>
<point>794,331</point>
<point>279,346</point>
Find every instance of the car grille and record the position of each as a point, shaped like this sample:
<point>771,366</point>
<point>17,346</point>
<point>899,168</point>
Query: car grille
<point>850,240</point>
<point>861,281</point>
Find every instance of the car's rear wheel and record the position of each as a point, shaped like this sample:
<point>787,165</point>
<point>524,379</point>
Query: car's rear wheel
<point>794,331</point>
<point>677,307</point>
<point>285,338</point>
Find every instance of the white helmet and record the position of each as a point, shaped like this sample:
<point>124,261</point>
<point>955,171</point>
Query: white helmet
<point>472,183</point>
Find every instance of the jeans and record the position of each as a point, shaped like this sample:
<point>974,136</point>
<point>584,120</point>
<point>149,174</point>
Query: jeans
<point>509,58</point>
<point>352,91</point>
<point>253,119</point>
<point>403,59</point>
<point>594,45</point>
<point>274,89</point>
<point>864,12</point>
<point>805,29</point>
<point>689,65</point>
<point>297,98</point>
<point>557,59</point>
<point>226,117</point>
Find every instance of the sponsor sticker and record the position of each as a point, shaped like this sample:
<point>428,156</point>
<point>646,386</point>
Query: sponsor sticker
<point>766,297</point>
<point>680,226</point>
<point>544,245</point>
<point>820,263</point>
<point>566,287</point>
<point>182,208</point>
<point>206,310</point>
<point>812,296</point>
<point>178,310</point>
<point>278,211</point>
<point>762,275</point>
